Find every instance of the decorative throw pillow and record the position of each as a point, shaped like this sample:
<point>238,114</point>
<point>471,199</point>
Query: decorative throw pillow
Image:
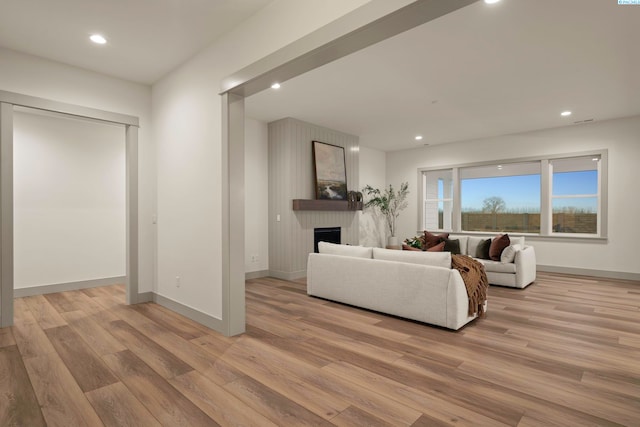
<point>433,239</point>
<point>437,248</point>
<point>406,247</point>
<point>509,253</point>
<point>497,246</point>
<point>452,245</point>
<point>482,251</point>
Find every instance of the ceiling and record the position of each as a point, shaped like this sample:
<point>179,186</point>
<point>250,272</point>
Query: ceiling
<point>146,38</point>
<point>482,71</point>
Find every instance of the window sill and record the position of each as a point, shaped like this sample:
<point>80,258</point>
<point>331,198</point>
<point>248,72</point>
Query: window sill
<point>556,237</point>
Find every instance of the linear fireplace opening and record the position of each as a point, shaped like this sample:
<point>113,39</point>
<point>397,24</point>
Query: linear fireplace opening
<point>326,234</point>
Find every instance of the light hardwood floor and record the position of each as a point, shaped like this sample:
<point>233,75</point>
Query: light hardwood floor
<point>563,352</point>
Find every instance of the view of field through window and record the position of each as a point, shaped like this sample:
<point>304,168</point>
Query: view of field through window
<point>574,200</point>
<point>507,198</point>
<point>506,203</point>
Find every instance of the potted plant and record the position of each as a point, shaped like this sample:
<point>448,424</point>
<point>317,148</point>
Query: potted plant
<point>390,203</point>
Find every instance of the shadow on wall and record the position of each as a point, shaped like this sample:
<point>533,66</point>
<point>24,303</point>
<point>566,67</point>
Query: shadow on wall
<point>372,229</point>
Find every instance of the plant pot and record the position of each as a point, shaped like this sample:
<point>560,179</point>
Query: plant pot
<point>393,241</point>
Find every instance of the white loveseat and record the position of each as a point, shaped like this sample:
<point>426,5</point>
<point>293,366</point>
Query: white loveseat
<point>414,285</point>
<point>517,265</point>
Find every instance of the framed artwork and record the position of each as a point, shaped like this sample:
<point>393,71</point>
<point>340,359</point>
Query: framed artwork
<point>330,171</point>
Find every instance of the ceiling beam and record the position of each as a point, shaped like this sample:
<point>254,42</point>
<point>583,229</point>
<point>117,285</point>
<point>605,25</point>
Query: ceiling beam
<point>351,33</point>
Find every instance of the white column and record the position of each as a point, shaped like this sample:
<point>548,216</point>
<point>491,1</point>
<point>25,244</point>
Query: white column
<point>6,214</point>
<point>233,277</point>
<point>131,148</point>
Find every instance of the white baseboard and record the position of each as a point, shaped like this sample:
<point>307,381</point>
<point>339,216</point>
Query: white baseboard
<point>256,274</point>
<point>588,272</point>
<point>145,297</point>
<point>190,312</point>
<point>284,275</point>
<point>70,286</point>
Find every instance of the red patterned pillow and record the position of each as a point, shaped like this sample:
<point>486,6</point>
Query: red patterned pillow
<point>433,239</point>
<point>437,248</point>
<point>497,246</point>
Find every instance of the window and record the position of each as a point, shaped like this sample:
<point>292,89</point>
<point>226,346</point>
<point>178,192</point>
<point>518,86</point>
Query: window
<point>501,197</point>
<point>546,196</point>
<point>438,199</point>
<point>575,195</point>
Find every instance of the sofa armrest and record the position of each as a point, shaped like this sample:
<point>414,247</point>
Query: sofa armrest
<point>525,261</point>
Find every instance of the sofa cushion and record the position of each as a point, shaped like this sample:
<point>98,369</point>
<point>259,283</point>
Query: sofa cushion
<point>509,253</point>
<point>497,246</point>
<point>345,250</point>
<point>433,239</point>
<point>452,245</point>
<point>436,259</point>
<point>472,244</point>
<point>497,266</point>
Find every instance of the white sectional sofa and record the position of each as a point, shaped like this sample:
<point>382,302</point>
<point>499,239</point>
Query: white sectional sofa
<point>517,265</point>
<point>414,285</point>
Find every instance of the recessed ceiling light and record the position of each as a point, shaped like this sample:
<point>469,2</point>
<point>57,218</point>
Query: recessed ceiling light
<point>98,39</point>
<point>418,137</point>
<point>275,86</point>
<point>491,1</point>
<point>565,113</point>
<point>499,166</point>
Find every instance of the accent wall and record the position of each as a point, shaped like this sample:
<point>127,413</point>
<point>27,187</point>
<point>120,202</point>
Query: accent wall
<point>291,176</point>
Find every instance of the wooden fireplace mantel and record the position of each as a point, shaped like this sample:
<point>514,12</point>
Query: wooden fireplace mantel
<point>325,205</point>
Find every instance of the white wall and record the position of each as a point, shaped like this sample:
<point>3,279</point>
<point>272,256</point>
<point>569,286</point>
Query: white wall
<point>256,184</point>
<point>373,164</point>
<point>621,137</point>
<point>69,200</point>
<point>31,75</point>
<point>187,133</point>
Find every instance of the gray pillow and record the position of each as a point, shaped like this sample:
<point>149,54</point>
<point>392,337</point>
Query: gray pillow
<point>452,245</point>
<point>482,251</point>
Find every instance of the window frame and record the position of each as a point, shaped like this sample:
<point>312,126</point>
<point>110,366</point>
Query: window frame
<point>598,196</point>
<point>546,179</point>
<point>438,200</point>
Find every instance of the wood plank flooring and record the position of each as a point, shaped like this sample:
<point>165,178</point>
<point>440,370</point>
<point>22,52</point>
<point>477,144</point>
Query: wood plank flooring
<point>563,352</point>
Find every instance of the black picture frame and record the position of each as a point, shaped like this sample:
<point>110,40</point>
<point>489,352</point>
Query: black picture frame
<point>330,171</point>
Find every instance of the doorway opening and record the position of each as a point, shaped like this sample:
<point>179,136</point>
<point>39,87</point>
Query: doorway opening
<point>69,203</point>
<point>9,101</point>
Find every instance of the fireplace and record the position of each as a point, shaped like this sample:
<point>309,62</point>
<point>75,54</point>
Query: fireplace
<point>327,234</point>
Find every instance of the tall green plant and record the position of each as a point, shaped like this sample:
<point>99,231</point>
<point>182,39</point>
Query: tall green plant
<point>389,202</point>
